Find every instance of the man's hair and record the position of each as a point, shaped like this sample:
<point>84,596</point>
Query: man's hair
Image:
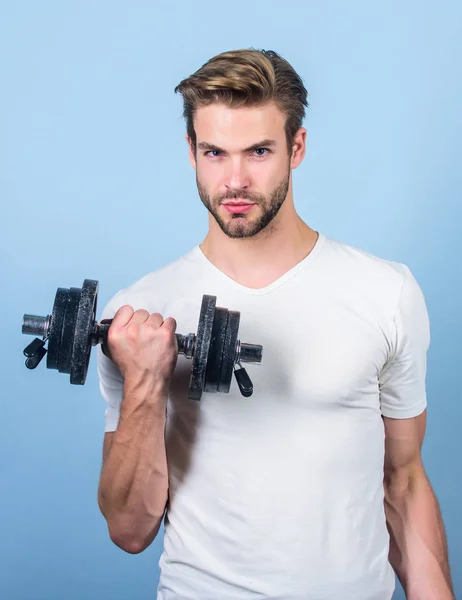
<point>246,78</point>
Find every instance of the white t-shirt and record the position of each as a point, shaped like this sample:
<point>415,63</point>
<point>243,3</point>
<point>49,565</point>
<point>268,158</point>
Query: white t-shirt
<point>280,495</point>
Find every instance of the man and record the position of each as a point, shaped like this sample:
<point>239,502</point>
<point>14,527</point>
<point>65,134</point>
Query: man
<point>314,487</point>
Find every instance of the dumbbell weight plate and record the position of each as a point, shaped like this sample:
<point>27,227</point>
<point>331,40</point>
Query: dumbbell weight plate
<point>229,351</point>
<point>85,322</point>
<point>68,330</point>
<point>215,356</point>
<point>203,338</point>
<point>56,327</point>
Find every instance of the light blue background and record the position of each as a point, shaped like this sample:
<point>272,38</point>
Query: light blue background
<point>95,182</point>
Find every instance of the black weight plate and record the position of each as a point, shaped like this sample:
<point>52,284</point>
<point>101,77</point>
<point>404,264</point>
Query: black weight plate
<point>56,327</point>
<point>204,334</point>
<point>68,331</point>
<point>85,321</point>
<point>215,357</point>
<point>229,351</point>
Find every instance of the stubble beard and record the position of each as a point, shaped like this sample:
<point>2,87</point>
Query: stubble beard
<point>240,225</point>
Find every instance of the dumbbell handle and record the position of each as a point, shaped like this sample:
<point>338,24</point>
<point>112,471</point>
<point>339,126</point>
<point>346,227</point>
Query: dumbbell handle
<point>247,353</point>
<point>186,343</point>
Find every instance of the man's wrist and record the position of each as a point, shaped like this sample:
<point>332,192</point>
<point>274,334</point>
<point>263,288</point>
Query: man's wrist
<point>149,391</point>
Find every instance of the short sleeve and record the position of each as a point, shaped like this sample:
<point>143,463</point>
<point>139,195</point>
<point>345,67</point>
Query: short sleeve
<point>402,382</point>
<point>111,382</point>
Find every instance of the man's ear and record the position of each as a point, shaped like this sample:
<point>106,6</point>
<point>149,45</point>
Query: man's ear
<point>192,155</point>
<point>298,148</point>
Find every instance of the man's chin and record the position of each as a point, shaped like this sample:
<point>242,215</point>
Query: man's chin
<point>238,228</point>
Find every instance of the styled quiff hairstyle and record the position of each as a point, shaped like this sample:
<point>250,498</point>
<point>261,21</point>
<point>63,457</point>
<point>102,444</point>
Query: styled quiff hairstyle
<point>246,78</point>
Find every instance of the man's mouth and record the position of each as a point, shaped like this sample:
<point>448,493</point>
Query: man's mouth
<point>239,206</point>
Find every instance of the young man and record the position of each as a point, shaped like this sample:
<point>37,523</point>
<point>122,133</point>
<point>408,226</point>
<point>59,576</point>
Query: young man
<point>314,487</point>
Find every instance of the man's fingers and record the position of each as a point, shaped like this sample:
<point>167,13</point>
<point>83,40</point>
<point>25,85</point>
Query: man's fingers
<point>127,315</point>
<point>170,323</point>
<point>139,317</point>
<point>156,319</point>
<point>122,316</point>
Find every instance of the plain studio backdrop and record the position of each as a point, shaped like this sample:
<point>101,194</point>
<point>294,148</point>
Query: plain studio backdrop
<point>95,183</point>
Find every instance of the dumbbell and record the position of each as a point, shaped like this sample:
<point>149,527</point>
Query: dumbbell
<point>72,330</point>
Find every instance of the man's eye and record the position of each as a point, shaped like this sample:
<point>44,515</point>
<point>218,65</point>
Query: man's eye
<point>212,153</point>
<point>261,151</point>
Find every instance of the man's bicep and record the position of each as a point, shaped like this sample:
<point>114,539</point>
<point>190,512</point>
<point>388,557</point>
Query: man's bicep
<point>403,442</point>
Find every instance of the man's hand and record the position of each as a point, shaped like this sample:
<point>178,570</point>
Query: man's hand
<point>143,346</point>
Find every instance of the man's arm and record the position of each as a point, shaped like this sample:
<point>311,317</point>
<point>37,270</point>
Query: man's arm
<point>418,547</point>
<point>133,487</point>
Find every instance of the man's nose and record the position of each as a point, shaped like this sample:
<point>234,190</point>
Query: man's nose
<point>237,176</point>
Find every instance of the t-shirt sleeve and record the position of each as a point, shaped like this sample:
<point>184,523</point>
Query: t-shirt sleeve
<point>402,382</point>
<point>110,378</point>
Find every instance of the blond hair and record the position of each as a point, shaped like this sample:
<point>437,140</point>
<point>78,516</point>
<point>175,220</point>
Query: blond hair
<point>246,78</point>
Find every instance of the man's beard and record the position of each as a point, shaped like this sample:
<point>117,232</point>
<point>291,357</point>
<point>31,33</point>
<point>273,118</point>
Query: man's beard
<point>239,226</point>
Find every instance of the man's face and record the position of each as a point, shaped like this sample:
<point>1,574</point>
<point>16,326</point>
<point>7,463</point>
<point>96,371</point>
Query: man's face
<point>242,166</point>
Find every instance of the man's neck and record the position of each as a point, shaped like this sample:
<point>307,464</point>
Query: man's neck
<point>259,261</point>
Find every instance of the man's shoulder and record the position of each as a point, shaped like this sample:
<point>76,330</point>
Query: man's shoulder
<point>367,278</point>
<point>154,289</point>
<point>355,261</point>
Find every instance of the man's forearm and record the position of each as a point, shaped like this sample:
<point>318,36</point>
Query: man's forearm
<point>133,486</point>
<point>418,546</point>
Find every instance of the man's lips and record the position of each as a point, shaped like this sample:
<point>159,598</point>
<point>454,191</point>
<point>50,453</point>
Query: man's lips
<point>238,207</point>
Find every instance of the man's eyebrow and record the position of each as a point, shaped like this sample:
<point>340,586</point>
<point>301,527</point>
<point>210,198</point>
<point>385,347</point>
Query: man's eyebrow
<point>264,144</point>
<point>207,146</point>
<point>211,147</point>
